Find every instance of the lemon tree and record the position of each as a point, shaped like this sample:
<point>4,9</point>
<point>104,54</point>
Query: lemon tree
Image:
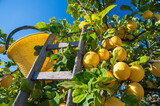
<point>120,64</point>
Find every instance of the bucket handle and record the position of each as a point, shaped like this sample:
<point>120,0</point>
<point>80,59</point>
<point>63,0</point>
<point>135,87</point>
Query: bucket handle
<point>14,31</point>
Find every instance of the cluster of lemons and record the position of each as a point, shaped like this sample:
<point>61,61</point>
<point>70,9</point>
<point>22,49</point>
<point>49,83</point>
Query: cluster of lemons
<point>121,70</point>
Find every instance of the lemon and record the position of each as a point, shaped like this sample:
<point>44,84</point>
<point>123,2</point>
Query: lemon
<point>103,54</point>
<point>113,101</point>
<point>157,16</point>
<point>115,41</point>
<point>155,68</point>
<point>128,36</point>
<point>121,30</point>
<point>121,71</point>
<point>2,49</point>
<point>135,89</point>
<point>131,25</point>
<point>149,84</point>
<point>106,44</point>
<point>137,73</point>
<point>90,60</point>
<point>6,81</point>
<point>147,15</point>
<point>121,54</point>
<point>62,104</point>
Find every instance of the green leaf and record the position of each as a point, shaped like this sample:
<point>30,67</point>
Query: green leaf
<point>26,86</point>
<point>144,59</point>
<point>134,13</point>
<point>126,7</point>
<point>115,57</point>
<point>73,84</point>
<point>1,63</point>
<point>135,63</point>
<point>103,79</point>
<point>54,57</point>
<point>83,77</point>
<point>37,93</point>
<point>55,101</point>
<point>41,26</point>
<point>105,11</point>
<point>134,2</point>
<point>50,94</point>
<point>90,84</point>
<point>104,64</point>
<point>79,95</point>
<point>131,100</point>
<point>97,99</point>
<point>104,72</point>
<point>88,100</point>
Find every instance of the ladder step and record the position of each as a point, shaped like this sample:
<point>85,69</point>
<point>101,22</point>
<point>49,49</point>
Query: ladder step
<point>62,75</point>
<point>62,45</point>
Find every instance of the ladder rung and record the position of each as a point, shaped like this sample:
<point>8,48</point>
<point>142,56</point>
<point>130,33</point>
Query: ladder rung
<point>63,75</point>
<point>62,45</point>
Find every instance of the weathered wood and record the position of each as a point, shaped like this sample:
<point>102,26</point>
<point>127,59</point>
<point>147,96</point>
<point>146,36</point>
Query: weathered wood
<point>62,45</point>
<point>77,65</point>
<point>22,97</point>
<point>62,75</point>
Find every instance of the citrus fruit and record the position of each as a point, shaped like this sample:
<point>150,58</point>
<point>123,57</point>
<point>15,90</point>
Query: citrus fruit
<point>90,60</point>
<point>113,101</point>
<point>155,68</point>
<point>121,30</point>
<point>147,15</point>
<point>62,104</point>
<point>115,41</point>
<point>131,25</point>
<point>103,54</point>
<point>128,36</point>
<point>135,89</point>
<point>122,36</point>
<point>121,71</point>
<point>2,49</point>
<point>121,54</point>
<point>157,16</point>
<point>137,73</point>
<point>6,81</point>
<point>149,84</point>
<point>106,44</point>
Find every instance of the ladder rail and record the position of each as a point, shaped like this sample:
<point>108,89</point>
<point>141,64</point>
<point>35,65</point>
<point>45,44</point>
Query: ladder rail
<point>22,97</point>
<point>78,65</point>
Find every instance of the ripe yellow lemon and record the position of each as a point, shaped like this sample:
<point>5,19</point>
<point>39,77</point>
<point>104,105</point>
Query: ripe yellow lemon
<point>137,73</point>
<point>62,104</point>
<point>121,71</point>
<point>135,89</point>
<point>106,44</point>
<point>6,81</point>
<point>2,49</point>
<point>90,60</point>
<point>147,15</point>
<point>157,16</point>
<point>131,25</point>
<point>113,101</point>
<point>103,54</point>
<point>149,84</point>
<point>121,30</point>
<point>121,54</point>
<point>155,68</point>
<point>115,41</point>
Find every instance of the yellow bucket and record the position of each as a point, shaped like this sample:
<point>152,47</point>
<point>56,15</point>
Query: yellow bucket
<point>22,52</point>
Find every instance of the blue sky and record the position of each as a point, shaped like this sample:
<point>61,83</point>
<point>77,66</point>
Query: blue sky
<point>16,13</point>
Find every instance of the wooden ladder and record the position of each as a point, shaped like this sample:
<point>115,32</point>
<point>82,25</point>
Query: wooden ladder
<point>35,73</point>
